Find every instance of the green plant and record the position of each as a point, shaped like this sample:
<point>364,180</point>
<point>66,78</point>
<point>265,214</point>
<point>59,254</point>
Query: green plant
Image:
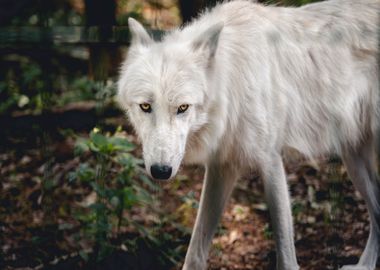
<point>118,183</point>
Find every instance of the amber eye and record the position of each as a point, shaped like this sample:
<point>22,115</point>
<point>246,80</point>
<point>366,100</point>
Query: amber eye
<point>146,107</point>
<point>182,108</point>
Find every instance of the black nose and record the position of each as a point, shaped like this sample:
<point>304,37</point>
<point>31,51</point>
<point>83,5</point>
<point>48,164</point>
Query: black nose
<point>161,171</point>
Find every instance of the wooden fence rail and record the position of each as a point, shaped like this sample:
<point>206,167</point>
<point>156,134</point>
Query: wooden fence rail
<point>61,35</point>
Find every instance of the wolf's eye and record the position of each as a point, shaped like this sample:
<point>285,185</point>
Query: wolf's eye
<point>182,108</point>
<point>146,107</point>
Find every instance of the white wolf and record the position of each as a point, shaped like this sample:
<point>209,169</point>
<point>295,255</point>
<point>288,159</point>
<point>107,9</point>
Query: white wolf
<point>243,81</point>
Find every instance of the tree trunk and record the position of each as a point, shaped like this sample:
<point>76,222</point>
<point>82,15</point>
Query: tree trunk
<point>104,59</point>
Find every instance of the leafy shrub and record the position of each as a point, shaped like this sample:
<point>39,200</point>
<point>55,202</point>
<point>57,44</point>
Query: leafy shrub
<point>118,181</point>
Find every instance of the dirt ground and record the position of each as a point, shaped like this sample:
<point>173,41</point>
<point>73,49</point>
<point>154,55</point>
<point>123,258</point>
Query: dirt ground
<point>329,232</point>
<point>330,218</point>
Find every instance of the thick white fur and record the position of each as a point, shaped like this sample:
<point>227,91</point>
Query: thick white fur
<point>258,79</point>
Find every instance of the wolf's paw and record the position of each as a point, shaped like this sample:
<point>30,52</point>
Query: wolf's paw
<point>355,267</point>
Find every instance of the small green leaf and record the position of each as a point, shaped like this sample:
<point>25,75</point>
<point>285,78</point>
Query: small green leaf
<point>122,144</point>
<point>98,139</point>
<point>130,198</point>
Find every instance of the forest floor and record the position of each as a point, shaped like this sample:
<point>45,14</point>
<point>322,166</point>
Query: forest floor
<point>330,218</point>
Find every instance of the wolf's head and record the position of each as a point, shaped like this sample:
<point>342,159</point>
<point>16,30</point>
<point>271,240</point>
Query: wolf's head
<point>164,88</point>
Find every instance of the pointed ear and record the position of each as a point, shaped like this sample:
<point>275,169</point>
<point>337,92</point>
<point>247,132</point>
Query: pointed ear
<point>208,40</point>
<point>139,34</point>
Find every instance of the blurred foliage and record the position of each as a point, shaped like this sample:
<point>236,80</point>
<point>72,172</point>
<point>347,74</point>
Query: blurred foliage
<point>21,86</point>
<point>25,84</point>
<point>72,13</point>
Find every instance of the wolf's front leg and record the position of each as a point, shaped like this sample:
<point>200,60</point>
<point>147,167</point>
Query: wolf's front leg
<point>276,191</point>
<point>217,187</point>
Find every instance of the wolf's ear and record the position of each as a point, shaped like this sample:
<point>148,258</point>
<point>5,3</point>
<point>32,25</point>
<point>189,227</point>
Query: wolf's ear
<point>208,40</point>
<point>139,35</point>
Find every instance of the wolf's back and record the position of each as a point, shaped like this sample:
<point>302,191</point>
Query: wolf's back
<point>357,22</point>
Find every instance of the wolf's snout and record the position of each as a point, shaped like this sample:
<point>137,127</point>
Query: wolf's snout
<point>161,171</point>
